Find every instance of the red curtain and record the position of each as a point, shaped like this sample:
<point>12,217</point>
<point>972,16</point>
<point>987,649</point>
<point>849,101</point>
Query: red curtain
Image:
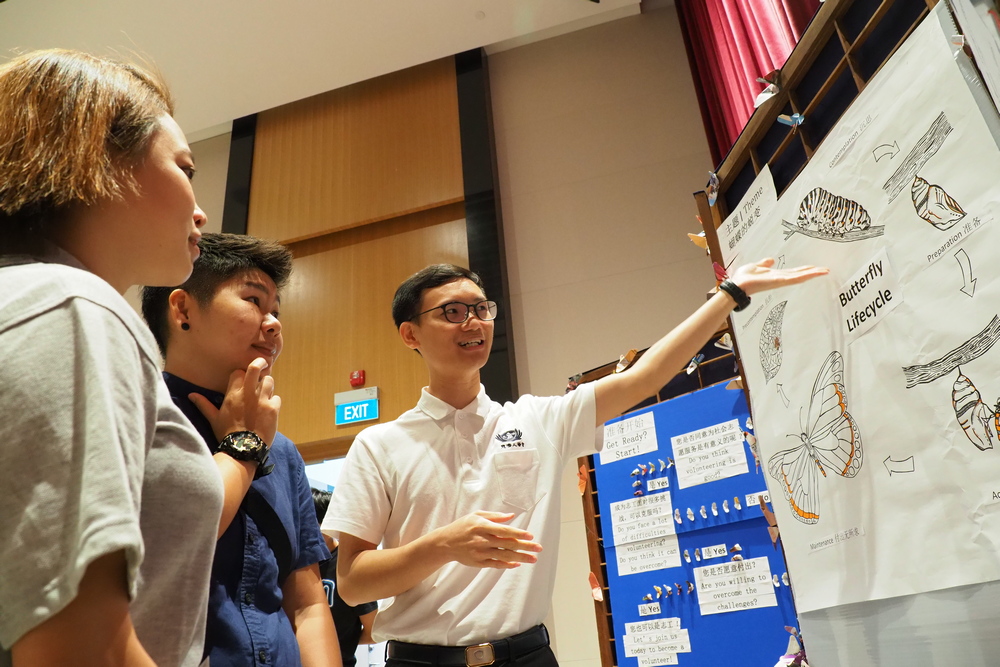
<point>730,43</point>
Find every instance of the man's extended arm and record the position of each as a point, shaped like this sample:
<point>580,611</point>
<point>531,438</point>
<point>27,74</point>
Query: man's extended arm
<point>479,539</point>
<point>618,392</point>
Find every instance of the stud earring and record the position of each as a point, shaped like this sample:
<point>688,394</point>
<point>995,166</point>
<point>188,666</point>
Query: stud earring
<point>185,326</point>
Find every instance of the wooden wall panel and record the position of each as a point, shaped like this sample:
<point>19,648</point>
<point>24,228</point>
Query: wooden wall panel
<point>336,318</point>
<point>369,152</point>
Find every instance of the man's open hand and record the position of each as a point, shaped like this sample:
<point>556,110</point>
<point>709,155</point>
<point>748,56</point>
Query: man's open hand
<point>481,539</point>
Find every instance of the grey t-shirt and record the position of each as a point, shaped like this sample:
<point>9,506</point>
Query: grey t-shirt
<point>95,458</point>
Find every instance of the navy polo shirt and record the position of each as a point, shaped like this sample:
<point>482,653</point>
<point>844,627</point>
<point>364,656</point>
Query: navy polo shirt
<point>246,624</point>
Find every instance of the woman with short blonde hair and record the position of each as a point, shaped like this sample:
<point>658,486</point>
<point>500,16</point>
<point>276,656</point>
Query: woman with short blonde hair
<point>112,501</point>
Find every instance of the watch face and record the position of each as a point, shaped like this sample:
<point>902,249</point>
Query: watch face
<point>245,446</point>
<point>249,443</point>
<point>244,443</point>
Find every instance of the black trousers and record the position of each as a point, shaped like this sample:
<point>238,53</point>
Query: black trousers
<point>542,657</point>
<point>526,649</point>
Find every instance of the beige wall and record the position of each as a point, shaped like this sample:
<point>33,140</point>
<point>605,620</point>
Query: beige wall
<point>599,146</point>
<point>211,157</point>
<point>364,185</point>
<point>357,155</point>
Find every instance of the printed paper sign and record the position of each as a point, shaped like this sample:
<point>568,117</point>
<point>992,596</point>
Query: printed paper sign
<point>753,499</point>
<point>673,641</point>
<point>656,554</point>
<point>651,609</point>
<point>629,437</point>
<point>657,484</point>
<point>642,518</point>
<point>709,454</point>
<point>641,627</point>
<point>656,642</point>
<point>756,203</point>
<point>735,586</point>
<point>658,660</point>
<point>869,296</point>
<point>643,507</point>
<point>715,551</point>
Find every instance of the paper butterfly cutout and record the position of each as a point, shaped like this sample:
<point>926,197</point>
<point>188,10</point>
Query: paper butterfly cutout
<point>830,440</point>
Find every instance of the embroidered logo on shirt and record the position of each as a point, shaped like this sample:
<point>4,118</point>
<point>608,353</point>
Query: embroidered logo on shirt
<point>510,439</point>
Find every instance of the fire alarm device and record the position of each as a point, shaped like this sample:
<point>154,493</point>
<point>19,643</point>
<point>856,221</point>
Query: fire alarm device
<point>357,378</point>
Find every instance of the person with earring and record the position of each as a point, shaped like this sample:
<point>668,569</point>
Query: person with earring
<point>267,605</point>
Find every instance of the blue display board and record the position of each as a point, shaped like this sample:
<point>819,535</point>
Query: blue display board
<point>716,617</point>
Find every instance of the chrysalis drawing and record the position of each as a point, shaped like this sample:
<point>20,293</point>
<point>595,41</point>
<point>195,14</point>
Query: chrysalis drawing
<point>935,205</point>
<point>973,415</point>
<point>770,342</point>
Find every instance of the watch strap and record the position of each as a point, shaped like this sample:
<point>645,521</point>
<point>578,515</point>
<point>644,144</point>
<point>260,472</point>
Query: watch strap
<point>264,468</point>
<point>741,298</point>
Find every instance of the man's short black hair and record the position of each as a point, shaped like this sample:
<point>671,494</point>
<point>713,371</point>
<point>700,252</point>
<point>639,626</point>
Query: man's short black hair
<point>321,499</point>
<point>223,256</point>
<point>406,303</point>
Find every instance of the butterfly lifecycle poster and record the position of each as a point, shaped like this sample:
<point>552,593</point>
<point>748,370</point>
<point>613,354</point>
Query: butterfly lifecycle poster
<point>875,388</point>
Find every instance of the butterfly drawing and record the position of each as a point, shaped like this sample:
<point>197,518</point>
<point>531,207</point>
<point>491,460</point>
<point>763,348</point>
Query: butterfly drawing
<point>830,441</point>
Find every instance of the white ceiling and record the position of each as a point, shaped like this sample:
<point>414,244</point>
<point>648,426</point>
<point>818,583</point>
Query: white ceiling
<point>229,58</point>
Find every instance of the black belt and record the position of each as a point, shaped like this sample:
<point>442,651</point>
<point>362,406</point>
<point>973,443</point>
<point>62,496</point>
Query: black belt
<point>478,655</point>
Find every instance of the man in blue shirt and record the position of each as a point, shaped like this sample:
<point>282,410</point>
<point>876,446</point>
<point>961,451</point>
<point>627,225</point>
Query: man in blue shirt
<point>267,605</point>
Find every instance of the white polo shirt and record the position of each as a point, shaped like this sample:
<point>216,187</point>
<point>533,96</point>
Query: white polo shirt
<point>436,464</point>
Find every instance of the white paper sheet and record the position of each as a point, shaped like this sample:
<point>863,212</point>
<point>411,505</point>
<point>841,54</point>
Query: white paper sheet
<point>657,642</point>
<point>656,554</point>
<point>658,660</point>
<point>735,586</point>
<point>867,297</point>
<point>651,609</point>
<point>643,518</point>
<point>629,437</point>
<point>709,454</point>
<point>847,447</point>
<point>714,551</point>
<point>755,205</point>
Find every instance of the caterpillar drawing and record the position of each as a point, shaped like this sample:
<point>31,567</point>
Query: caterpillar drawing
<point>830,214</point>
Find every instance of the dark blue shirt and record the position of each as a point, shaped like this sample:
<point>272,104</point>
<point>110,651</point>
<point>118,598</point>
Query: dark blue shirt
<point>246,624</point>
<point>346,618</point>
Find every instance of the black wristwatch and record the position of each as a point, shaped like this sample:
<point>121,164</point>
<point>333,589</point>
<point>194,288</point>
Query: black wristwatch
<point>741,298</point>
<point>248,446</point>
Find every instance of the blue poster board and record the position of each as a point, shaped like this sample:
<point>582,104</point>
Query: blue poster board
<point>747,634</point>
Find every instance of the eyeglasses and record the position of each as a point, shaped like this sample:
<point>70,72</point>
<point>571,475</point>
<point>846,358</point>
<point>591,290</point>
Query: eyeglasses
<point>458,312</point>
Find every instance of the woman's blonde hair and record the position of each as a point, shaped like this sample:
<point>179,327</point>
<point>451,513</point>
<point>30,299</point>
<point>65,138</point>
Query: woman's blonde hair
<point>72,128</point>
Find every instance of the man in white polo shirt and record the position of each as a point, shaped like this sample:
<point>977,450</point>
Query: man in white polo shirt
<point>463,493</point>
